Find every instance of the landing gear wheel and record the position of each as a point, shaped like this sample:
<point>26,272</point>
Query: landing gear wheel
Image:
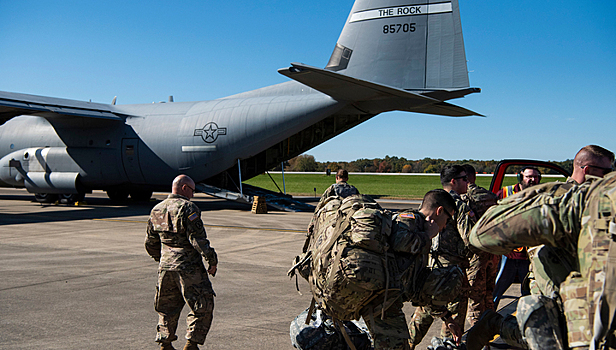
<point>140,195</point>
<point>117,195</point>
<point>45,197</point>
<point>70,198</point>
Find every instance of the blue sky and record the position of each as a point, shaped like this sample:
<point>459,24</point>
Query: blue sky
<point>546,68</point>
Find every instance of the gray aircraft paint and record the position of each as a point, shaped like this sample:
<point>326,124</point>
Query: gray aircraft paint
<point>391,55</point>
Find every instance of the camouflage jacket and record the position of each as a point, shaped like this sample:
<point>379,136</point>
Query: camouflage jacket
<point>176,237</point>
<point>479,199</point>
<point>550,266</point>
<point>451,244</point>
<point>410,244</point>
<point>341,189</point>
<point>408,236</point>
<point>580,219</point>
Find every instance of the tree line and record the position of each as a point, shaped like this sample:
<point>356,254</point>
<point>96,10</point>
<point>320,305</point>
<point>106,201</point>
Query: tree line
<point>306,162</point>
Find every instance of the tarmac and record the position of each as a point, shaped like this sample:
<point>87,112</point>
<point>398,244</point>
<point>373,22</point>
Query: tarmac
<point>78,277</point>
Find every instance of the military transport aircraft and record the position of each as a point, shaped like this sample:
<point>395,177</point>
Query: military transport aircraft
<point>404,55</point>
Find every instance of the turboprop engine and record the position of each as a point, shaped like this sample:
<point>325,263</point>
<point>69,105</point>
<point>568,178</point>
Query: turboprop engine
<point>34,169</point>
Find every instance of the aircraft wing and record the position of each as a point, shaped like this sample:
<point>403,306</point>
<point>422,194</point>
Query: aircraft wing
<point>14,104</point>
<point>372,96</point>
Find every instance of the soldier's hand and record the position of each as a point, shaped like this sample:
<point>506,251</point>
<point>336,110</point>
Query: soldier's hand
<point>456,332</point>
<point>431,227</point>
<point>212,270</point>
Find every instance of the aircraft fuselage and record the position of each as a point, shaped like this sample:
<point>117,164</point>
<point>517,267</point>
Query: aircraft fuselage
<point>159,141</point>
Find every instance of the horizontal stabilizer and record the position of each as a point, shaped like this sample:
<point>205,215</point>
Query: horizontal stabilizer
<point>446,109</point>
<point>377,98</point>
<point>13,104</point>
<point>345,88</point>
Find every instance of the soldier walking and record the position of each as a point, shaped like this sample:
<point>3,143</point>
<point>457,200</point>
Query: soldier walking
<point>177,240</point>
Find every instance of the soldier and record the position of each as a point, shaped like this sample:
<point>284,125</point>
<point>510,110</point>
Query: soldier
<point>177,240</point>
<point>551,265</point>
<point>410,243</point>
<point>341,187</point>
<point>451,248</point>
<point>483,265</point>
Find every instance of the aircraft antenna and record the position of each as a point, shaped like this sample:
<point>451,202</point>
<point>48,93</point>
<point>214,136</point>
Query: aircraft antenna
<point>171,98</point>
<point>114,100</point>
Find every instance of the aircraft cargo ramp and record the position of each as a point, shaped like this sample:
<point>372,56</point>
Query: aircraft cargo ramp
<point>274,200</point>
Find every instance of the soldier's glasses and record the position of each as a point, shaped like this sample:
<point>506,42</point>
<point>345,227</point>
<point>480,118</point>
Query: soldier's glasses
<point>465,178</point>
<point>192,189</point>
<point>604,170</point>
<point>449,216</point>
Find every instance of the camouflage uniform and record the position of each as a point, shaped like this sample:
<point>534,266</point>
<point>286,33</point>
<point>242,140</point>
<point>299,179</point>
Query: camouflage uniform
<point>411,245</point>
<point>176,238</point>
<point>549,266</point>
<point>581,221</point>
<point>451,247</point>
<point>341,189</point>
<point>389,333</point>
<point>483,265</point>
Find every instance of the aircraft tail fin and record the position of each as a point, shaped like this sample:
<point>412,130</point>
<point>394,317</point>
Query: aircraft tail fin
<point>416,46</point>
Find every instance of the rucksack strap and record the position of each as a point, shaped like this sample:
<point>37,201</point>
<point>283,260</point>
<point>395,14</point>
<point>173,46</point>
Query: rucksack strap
<point>386,285</point>
<point>344,334</point>
<point>607,301</point>
<point>335,265</point>
<point>310,311</point>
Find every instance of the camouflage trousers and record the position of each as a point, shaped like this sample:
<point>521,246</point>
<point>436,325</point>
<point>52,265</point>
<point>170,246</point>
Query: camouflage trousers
<point>549,267</point>
<point>390,333</point>
<point>481,277</point>
<point>173,291</point>
<point>540,323</point>
<point>422,320</point>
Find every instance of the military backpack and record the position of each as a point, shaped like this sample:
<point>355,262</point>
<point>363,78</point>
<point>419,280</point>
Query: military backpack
<point>348,255</point>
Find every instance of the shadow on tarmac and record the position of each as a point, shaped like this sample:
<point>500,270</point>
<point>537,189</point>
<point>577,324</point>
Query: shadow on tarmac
<point>99,208</point>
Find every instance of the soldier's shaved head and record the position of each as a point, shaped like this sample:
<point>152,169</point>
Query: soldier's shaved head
<point>183,185</point>
<point>439,206</point>
<point>592,153</point>
<point>592,160</point>
<point>438,198</point>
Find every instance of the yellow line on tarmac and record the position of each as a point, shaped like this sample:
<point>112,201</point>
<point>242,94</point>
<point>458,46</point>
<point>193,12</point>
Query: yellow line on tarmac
<point>216,226</point>
<point>512,314</point>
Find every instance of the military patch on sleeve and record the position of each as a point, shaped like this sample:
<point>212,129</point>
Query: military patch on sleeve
<point>471,213</point>
<point>193,216</point>
<point>408,215</point>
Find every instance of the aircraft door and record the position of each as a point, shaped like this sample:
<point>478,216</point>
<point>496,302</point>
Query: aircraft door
<point>130,160</point>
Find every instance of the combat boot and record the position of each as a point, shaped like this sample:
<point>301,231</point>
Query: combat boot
<point>166,346</point>
<point>484,330</point>
<point>191,345</point>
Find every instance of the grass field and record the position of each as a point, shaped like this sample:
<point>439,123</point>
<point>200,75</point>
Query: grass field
<point>379,186</point>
